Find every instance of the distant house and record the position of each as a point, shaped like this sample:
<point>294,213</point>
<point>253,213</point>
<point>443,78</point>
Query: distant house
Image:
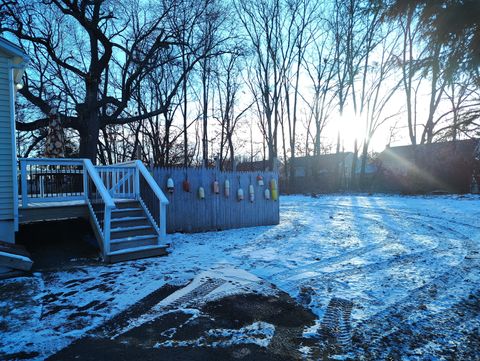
<point>259,165</point>
<point>320,174</point>
<point>445,166</point>
<point>12,64</point>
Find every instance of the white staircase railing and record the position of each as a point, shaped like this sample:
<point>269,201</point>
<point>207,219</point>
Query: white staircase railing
<point>100,203</point>
<point>145,190</point>
<point>119,180</point>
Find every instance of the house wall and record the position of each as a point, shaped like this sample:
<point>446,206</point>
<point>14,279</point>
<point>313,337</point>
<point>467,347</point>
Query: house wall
<point>7,155</point>
<point>447,166</point>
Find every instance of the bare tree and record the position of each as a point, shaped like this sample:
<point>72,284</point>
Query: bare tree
<point>265,24</point>
<point>96,54</point>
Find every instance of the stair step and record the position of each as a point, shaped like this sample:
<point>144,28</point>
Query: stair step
<point>127,204</point>
<point>127,209</point>
<point>133,242</point>
<point>132,238</point>
<point>123,232</point>
<point>127,212</point>
<point>130,221</point>
<point>136,253</point>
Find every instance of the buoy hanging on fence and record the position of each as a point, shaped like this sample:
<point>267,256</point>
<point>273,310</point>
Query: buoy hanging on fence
<point>274,189</point>
<point>240,194</point>
<point>251,192</point>
<point>227,188</point>
<point>186,186</point>
<point>201,193</point>
<point>170,185</point>
<point>216,187</point>
<point>240,191</point>
<point>267,193</point>
<point>260,180</point>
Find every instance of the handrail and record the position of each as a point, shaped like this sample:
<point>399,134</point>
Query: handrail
<point>52,161</point>
<point>151,182</point>
<point>98,183</point>
<point>105,233</point>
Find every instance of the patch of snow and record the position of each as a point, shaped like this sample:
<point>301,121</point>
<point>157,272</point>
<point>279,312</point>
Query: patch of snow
<point>385,253</point>
<point>258,333</point>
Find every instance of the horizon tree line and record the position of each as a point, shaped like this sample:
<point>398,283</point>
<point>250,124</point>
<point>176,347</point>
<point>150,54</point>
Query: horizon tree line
<point>182,82</point>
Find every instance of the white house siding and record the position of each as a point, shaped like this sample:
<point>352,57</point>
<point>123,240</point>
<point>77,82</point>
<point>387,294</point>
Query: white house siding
<point>6,150</point>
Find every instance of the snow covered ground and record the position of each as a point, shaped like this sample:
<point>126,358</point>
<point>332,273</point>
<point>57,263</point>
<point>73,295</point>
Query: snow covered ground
<point>410,265</point>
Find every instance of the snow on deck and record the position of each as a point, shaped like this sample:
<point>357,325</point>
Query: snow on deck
<point>406,263</point>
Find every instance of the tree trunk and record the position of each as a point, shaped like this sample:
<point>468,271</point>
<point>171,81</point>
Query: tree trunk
<point>89,138</point>
<point>364,164</point>
<point>353,178</point>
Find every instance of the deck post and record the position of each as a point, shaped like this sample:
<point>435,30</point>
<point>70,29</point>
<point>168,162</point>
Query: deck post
<point>163,221</point>
<point>137,182</point>
<point>24,183</point>
<point>106,230</point>
<point>85,182</point>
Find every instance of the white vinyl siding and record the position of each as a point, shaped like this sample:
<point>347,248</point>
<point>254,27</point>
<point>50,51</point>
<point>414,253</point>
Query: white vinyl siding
<point>6,146</point>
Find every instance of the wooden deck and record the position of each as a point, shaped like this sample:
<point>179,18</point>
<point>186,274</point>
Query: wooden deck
<point>110,197</point>
<point>50,211</point>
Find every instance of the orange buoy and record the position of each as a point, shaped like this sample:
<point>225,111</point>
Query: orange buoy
<point>186,186</point>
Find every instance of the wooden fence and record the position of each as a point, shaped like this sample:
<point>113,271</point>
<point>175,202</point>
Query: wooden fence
<point>187,212</point>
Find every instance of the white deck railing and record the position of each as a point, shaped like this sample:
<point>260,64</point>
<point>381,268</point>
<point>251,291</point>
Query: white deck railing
<point>65,180</point>
<point>135,181</point>
<point>50,180</point>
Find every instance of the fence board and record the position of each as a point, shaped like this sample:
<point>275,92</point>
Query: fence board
<point>187,213</point>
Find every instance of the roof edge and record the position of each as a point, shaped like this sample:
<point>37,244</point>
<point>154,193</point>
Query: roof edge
<point>13,49</point>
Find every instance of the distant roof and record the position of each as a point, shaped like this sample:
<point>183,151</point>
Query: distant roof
<point>464,145</point>
<point>331,158</point>
<point>12,49</point>
<point>258,165</point>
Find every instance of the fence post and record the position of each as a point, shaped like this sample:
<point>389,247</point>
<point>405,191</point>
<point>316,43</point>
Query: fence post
<point>137,181</point>
<point>106,230</point>
<point>24,183</point>
<point>85,182</point>
<point>163,221</point>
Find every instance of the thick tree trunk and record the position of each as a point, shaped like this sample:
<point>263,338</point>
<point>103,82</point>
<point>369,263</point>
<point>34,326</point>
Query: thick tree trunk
<point>89,139</point>
<point>89,122</point>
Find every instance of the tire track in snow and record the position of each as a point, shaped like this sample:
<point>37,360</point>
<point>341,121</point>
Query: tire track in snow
<point>310,269</point>
<point>384,332</point>
<point>391,329</point>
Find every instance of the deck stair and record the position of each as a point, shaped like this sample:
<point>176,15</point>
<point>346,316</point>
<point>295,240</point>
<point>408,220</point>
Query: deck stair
<point>132,233</point>
<point>126,207</point>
